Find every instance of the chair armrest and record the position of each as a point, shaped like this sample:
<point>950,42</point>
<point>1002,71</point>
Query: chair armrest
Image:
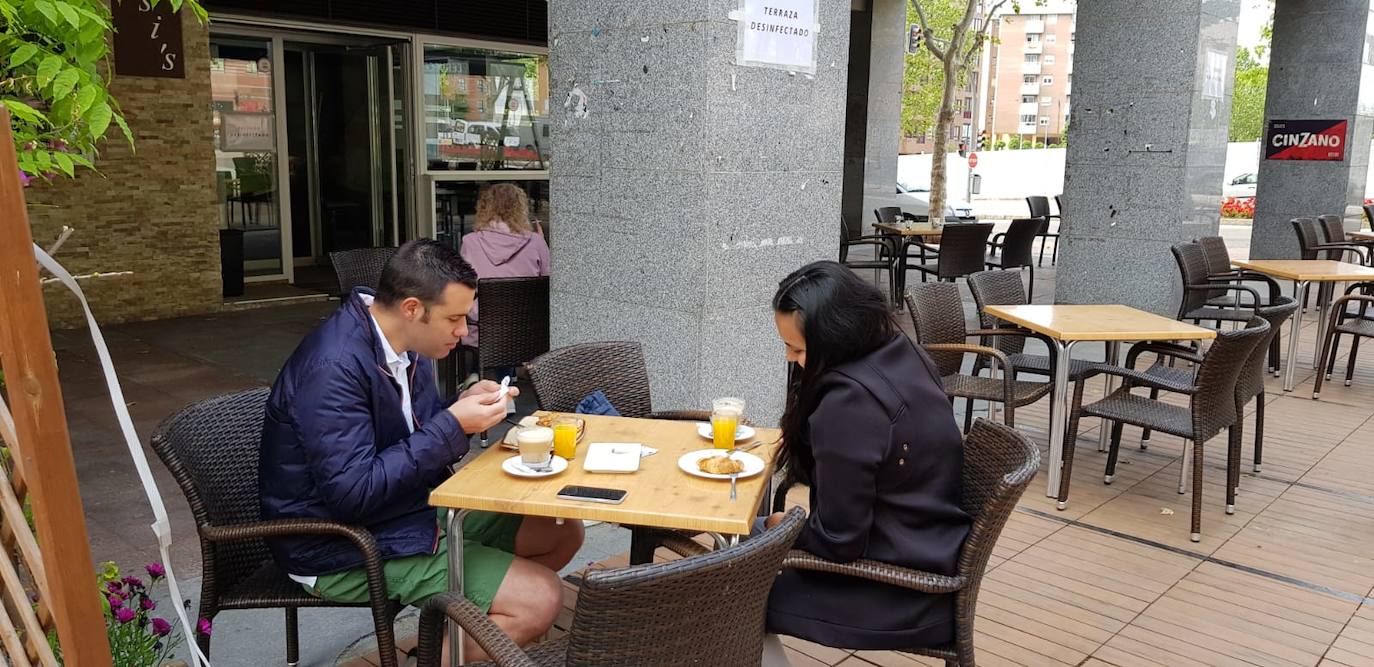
<point>1338,306</point>
<point>996,241</point>
<point>1133,378</point>
<point>1228,288</point>
<point>502,649</point>
<point>871,570</point>
<point>1162,350</point>
<point>681,415</point>
<point>360,537</point>
<point>1343,247</point>
<point>682,545</point>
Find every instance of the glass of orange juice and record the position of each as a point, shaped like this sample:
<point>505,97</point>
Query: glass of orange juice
<point>565,437</point>
<point>725,416</point>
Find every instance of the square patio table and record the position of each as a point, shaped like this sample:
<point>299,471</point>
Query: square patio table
<point>925,231</point>
<point>659,495</point>
<point>1066,325</point>
<point>1304,272</point>
<point>1361,235</point>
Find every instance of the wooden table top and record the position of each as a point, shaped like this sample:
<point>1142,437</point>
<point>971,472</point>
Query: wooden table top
<point>1316,270</point>
<point>1361,235</point>
<point>660,495</point>
<point>922,229</point>
<point>1070,322</point>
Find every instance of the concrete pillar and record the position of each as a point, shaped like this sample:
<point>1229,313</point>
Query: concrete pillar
<point>1318,69</point>
<point>688,188</point>
<point>1151,101</point>
<point>873,118</point>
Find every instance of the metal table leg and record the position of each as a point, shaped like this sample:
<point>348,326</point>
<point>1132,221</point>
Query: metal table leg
<point>1323,310</point>
<point>455,580</point>
<point>1059,415</point>
<point>1300,289</point>
<point>1113,353</point>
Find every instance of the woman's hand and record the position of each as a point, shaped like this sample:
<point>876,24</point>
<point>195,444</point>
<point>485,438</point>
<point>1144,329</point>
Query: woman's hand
<point>773,520</point>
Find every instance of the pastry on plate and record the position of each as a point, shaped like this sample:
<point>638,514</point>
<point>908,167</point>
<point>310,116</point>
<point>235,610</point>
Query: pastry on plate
<point>720,465</point>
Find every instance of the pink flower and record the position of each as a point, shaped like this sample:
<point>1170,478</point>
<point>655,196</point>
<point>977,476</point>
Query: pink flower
<point>124,615</point>
<point>147,604</point>
<point>113,587</point>
<point>203,627</point>
<point>155,570</point>
<point>25,179</point>
<point>115,601</point>
<point>161,627</point>
<point>133,581</point>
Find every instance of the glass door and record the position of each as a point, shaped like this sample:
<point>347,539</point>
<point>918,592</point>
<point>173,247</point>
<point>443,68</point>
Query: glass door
<point>246,151</point>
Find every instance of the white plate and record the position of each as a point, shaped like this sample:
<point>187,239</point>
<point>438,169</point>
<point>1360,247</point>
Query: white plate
<point>742,432</point>
<point>753,465</point>
<point>513,466</point>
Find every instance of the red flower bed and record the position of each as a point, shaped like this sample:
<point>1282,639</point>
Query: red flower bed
<point>1238,207</point>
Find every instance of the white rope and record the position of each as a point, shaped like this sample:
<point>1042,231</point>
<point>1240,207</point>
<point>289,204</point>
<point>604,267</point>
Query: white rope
<point>161,526</point>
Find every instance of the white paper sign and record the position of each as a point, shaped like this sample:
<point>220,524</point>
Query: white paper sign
<point>246,131</point>
<point>777,33</point>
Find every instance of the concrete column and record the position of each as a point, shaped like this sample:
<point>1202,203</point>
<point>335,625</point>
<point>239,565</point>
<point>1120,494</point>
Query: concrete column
<point>1318,69</point>
<point>873,120</point>
<point>688,188</point>
<point>1151,101</point>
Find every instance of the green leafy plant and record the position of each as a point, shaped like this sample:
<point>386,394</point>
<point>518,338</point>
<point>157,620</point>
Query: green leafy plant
<point>54,81</point>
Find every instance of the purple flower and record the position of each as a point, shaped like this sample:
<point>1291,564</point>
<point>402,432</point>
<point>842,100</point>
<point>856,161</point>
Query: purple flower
<point>147,604</point>
<point>203,627</point>
<point>114,587</point>
<point>115,601</point>
<point>161,627</point>
<point>124,615</point>
<point>155,570</point>
<point>25,179</point>
<point>133,581</point>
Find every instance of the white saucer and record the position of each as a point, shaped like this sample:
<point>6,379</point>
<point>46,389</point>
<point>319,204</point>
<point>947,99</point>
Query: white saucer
<point>753,465</point>
<point>513,466</point>
<point>742,432</point>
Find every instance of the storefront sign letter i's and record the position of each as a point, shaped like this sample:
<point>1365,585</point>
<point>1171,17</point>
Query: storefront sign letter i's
<point>147,39</point>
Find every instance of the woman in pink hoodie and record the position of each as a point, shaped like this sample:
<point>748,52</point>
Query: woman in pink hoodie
<point>503,244</point>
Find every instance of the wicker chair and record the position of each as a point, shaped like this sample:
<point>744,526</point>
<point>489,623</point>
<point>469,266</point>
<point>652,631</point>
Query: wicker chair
<point>1333,232</point>
<point>211,448</point>
<point>658,614</point>
<point>1219,269</point>
<point>937,316</point>
<point>359,268</point>
<point>962,251</point>
<point>884,255</point>
<point>1040,210</point>
<point>1212,407</point>
<point>1249,385</point>
<point>1199,290</point>
<point>1004,288</point>
<point>1014,248</point>
<point>999,462</point>
<point>514,322</point>
<point>1312,235</point>
<point>1358,324</point>
<point>889,214</point>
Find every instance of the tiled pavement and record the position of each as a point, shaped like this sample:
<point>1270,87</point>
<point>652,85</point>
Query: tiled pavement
<point>1112,580</point>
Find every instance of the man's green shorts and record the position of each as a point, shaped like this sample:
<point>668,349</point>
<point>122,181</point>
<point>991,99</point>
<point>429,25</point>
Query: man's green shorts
<point>488,549</point>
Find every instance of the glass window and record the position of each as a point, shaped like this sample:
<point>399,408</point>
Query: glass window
<point>1032,57</point>
<point>1048,80</point>
<point>485,110</point>
<point>1028,78</point>
<point>1033,38</point>
<point>245,135</point>
<point>1051,19</point>
<point>1051,38</point>
<point>1027,119</point>
<point>1044,121</point>
<point>455,208</point>
<point>1028,99</point>
<point>1049,59</point>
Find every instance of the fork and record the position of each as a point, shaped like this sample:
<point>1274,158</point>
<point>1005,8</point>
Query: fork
<point>733,475</point>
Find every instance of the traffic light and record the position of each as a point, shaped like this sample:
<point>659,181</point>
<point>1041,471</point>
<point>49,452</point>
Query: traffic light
<point>963,148</point>
<point>913,40</point>
<point>983,140</point>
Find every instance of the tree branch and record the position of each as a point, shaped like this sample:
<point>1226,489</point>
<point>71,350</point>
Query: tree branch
<point>926,34</point>
<point>980,37</point>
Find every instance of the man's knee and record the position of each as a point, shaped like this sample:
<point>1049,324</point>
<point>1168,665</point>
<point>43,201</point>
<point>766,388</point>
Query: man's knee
<point>532,595</point>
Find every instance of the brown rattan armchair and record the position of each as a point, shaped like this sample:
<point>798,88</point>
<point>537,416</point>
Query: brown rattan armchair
<point>706,609</point>
<point>514,328</point>
<point>1211,408</point>
<point>1199,291</point>
<point>884,258</point>
<point>1249,385</point>
<point>999,462</point>
<point>937,315</point>
<point>361,267</point>
<point>211,448</point>
<point>963,250</point>
<point>1004,288</point>
<point>1358,324</point>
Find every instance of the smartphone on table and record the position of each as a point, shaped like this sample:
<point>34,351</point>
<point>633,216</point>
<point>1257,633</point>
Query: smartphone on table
<point>592,494</point>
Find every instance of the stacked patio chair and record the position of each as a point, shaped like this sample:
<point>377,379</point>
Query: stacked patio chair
<point>1219,269</point>
<point>1201,294</point>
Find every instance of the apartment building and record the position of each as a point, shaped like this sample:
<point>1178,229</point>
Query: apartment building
<point>1029,74</point>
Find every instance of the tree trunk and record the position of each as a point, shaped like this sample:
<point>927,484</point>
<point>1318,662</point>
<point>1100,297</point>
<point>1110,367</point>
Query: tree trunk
<point>941,148</point>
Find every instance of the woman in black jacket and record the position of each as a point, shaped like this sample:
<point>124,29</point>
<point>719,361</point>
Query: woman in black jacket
<point>868,428</point>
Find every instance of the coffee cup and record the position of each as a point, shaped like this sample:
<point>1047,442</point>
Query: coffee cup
<point>536,447</point>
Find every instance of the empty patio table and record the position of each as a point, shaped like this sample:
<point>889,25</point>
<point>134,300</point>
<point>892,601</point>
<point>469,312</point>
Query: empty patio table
<point>1361,235</point>
<point>659,494</point>
<point>1304,272</point>
<point>1066,325</point>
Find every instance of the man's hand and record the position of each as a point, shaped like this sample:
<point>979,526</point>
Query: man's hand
<point>477,412</point>
<point>773,520</point>
<point>487,387</point>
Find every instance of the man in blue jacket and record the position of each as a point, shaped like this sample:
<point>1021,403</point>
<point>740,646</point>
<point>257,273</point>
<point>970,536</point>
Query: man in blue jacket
<point>356,432</point>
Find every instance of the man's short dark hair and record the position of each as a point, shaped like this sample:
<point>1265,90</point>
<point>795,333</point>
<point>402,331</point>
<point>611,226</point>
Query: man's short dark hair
<point>423,268</point>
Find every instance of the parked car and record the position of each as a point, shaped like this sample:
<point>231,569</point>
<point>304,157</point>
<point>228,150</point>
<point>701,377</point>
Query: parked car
<point>914,198</point>
<point>1241,186</point>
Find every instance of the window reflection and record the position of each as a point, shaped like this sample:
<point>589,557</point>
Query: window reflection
<point>455,207</point>
<point>485,110</point>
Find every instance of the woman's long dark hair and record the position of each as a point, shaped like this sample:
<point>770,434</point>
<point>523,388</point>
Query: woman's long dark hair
<point>842,318</point>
